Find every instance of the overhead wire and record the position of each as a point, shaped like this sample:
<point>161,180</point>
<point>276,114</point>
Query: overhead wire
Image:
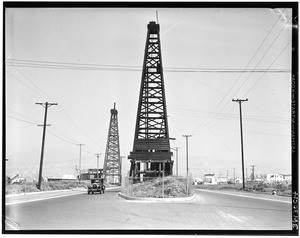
<point>95,67</point>
<point>43,94</point>
<point>254,83</point>
<point>26,85</point>
<point>267,69</point>
<point>18,119</point>
<point>246,67</point>
<point>264,56</point>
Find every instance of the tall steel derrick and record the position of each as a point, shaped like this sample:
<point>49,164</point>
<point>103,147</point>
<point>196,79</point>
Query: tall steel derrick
<point>151,153</point>
<point>112,161</point>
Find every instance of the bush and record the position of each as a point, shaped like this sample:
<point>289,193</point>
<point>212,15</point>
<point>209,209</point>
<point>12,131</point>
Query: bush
<point>260,187</point>
<point>173,187</point>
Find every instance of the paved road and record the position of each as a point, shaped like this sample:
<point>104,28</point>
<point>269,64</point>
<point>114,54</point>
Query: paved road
<point>207,210</point>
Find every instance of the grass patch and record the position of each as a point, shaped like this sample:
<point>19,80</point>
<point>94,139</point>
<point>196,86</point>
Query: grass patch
<point>173,187</point>
<point>255,187</point>
<point>29,187</point>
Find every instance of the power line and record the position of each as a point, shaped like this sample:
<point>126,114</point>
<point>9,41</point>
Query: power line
<point>204,114</point>
<point>97,67</point>
<point>54,134</point>
<point>270,66</point>
<point>22,120</point>
<point>26,85</point>
<point>46,96</point>
<point>248,65</point>
<point>265,55</point>
<point>62,138</point>
<point>32,82</point>
<point>251,87</point>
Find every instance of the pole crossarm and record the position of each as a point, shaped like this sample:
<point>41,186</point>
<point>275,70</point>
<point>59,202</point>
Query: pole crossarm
<point>240,100</point>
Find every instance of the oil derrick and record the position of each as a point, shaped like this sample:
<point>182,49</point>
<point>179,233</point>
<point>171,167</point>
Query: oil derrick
<point>151,153</point>
<point>112,161</point>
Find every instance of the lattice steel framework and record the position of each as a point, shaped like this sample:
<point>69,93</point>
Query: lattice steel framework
<point>112,161</point>
<point>151,150</point>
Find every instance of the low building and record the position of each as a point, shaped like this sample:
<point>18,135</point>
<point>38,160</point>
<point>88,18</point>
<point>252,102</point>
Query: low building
<point>222,180</point>
<point>275,178</point>
<point>91,174</point>
<point>287,178</point>
<point>209,179</point>
<point>198,181</point>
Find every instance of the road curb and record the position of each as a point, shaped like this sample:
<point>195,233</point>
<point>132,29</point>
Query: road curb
<point>156,199</point>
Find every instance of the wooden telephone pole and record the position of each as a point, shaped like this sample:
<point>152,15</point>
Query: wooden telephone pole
<point>46,105</point>
<point>241,126</point>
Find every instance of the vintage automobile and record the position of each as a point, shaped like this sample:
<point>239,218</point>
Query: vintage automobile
<point>96,186</point>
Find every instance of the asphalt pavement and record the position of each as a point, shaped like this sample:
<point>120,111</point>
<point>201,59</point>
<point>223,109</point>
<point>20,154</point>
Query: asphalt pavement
<point>207,211</point>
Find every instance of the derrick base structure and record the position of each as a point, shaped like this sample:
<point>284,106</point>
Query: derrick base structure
<point>151,154</point>
<point>151,158</point>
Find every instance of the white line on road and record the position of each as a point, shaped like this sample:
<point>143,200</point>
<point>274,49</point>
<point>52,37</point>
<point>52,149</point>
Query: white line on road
<point>46,198</point>
<point>239,195</point>
<point>227,215</point>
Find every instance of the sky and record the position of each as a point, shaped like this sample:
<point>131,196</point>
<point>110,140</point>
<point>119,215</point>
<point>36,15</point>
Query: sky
<point>87,59</point>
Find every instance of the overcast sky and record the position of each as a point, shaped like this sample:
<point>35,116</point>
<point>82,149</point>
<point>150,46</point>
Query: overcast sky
<point>86,59</point>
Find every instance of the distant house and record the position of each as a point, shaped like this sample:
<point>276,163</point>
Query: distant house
<point>275,178</point>
<point>222,180</point>
<point>198,181</point>
<point>64,178</point>
<point>238,180</point>
<point>91,174</point>
<point>69,177</point>
<point>287,178</point>
<point>209,179</point>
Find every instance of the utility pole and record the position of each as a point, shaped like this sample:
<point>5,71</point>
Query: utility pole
<point>252,177</point>
<point>187,160</point>
<point>97,165</point>
<point>241,126</point>
<point>176,149</point>
<point>45,105</point>
<point>121,161</point>
<point>79,169</point>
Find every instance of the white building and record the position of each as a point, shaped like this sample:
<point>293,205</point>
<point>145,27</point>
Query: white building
<point>222,180</point>
<point>209,179</point>
<point>275,177</point>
